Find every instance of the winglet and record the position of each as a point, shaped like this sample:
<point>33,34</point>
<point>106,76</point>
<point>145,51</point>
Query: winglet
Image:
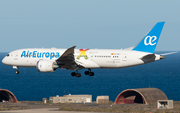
<point>149,42</point>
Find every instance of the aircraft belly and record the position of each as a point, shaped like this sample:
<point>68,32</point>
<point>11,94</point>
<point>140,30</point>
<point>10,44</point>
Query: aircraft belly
<point>89,64</point>
<point>108,63</point>
<point>25,62</point>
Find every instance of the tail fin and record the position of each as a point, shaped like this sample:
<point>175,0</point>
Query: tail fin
<point>149,42</point>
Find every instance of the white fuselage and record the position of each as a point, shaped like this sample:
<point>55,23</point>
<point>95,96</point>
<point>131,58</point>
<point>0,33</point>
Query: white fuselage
<point>92,58</point>
<point>48,60</point>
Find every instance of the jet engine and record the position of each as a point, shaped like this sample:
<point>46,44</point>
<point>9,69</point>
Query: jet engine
<point>46,66</point>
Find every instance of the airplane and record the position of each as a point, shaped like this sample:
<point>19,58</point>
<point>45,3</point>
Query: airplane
<point>48,60</point>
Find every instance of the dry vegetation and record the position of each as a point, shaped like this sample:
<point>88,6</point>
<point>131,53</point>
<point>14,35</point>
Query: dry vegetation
<point>123,108</point>
<point>11,107</point>
<point>126,108</point>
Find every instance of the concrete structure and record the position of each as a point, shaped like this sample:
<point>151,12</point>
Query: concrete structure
<point>142,96</point>
<point>44,100</point>
<point>102,99</point>
<point>7,96</point>
<point>71,99</point>
<point>165,104</point>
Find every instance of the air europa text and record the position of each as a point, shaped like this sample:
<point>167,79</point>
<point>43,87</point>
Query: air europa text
<point>36,54</point>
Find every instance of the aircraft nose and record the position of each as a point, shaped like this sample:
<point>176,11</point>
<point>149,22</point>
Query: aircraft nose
<point>4,61</point>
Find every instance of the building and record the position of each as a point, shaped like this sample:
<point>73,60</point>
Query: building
<point>141,96</point>
<point>165,104</point>
<point>7,96</point>
<point>102,99</point>
<point>71,99</point>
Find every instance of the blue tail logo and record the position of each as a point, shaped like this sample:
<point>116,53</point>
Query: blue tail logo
<point>149,42</point>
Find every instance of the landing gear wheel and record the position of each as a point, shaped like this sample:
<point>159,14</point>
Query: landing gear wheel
<point>78,74</point>
<point>86,72</point>
<point>73,74</point>
<point>17,72</point>
<point>91,74</point>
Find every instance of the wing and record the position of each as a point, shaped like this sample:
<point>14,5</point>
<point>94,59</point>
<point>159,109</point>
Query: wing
<point>66,60</point>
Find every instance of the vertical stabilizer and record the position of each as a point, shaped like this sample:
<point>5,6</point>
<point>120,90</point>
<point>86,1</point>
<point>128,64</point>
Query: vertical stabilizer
<point>149,42</point>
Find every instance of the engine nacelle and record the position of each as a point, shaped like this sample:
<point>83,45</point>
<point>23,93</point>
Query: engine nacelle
<point>46,66</point>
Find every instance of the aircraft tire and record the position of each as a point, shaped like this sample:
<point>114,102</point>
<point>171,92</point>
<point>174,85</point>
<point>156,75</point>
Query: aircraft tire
<point>78,74</point>
<point>17,72</point>
<point>91,74</point>
<point>86,72</point>
<point>73,74</point>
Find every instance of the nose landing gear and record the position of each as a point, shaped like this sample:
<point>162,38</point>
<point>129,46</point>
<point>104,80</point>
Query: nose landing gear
<point>17,71</point>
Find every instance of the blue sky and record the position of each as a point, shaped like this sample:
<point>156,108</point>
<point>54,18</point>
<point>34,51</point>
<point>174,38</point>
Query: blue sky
<point>103,24</point>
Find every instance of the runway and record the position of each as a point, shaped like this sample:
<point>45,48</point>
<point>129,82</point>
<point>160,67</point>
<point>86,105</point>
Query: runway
<point>43,110</point>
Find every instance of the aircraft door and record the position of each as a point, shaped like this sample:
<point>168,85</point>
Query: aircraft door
<point>91,56</point>
<point>124,59</point>
<point>16,54</point>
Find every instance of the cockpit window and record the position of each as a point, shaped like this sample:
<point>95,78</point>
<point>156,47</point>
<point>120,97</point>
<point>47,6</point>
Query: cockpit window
<point>7,55</point>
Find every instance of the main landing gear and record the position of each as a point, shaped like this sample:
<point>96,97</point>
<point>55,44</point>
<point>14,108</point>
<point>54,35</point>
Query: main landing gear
<point>79,74</point>
<point>17,71</point>
<point>76,74</point>
<point>89,72</point>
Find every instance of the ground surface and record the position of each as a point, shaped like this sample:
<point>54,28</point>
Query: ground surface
<point>27,107</point>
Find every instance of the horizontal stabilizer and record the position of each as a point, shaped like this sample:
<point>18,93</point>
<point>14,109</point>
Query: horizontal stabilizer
<point>169,53</point>
<point>148,56</point>
<point>130,48</point>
